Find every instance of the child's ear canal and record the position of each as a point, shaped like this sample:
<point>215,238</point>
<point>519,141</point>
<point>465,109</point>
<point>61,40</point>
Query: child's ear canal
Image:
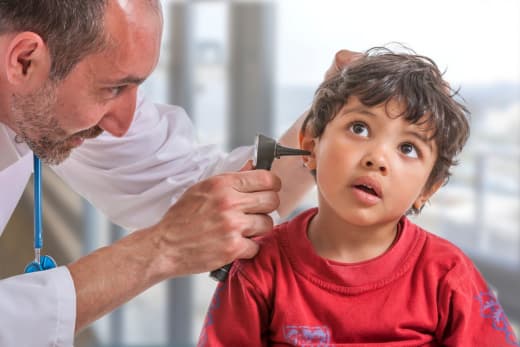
<point>308,143</point>
<point>309,162</point>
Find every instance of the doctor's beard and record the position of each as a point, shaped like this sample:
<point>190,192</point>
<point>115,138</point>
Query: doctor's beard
<point>42,133</point>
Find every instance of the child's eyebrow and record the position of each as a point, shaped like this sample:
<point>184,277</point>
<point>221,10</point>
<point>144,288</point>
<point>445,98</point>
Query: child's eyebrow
<point>359,109</point>
<point>419,136</point>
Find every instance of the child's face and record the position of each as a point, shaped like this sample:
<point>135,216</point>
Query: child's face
<point>371,166</point>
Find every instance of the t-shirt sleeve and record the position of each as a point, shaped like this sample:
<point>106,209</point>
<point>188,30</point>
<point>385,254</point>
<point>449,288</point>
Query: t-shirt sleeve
<point>470,313</point>
<point>237,315</point>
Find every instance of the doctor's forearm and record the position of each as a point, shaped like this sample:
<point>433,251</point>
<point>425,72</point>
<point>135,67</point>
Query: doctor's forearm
<point>110,276</point>
<point>296,179</point>
<point>193,236</point>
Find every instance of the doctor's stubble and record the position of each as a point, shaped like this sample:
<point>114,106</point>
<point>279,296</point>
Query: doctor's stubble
<point>37,126</point>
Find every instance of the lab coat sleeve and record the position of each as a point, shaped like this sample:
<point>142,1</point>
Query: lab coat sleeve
<point>38,309</point>
<point>136,178</point>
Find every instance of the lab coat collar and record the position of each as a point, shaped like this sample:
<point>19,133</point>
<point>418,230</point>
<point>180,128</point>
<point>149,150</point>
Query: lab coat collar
<point>10,151</point>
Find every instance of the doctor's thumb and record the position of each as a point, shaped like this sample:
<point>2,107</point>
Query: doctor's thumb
<point>342,58</point>
<point>247,166</point>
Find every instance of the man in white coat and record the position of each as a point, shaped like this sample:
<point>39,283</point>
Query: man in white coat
<point>69,75</point>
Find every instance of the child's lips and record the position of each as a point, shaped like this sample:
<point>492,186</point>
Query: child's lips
<point>369,186</point>
<point>365,196</point>
<point>367,190</point>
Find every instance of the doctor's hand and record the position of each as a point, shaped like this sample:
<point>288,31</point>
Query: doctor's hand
<point>211,224</point>
<point>208,227</point>
<point>342,58</point>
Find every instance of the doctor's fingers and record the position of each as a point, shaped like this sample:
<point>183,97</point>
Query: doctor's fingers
<point>249,192</point>
<point>238,243</point>
<point>253,181</point>
<point>249,249</point>
<point>255,202</point>
<point>256,225</point>
<point>342,58</point>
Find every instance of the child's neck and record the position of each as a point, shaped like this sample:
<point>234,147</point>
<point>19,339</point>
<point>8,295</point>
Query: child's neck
<point>334,239</point>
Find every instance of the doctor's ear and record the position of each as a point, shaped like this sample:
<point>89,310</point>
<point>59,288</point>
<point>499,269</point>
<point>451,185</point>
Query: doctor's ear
<point>27,60</point>
<point>308,143</point>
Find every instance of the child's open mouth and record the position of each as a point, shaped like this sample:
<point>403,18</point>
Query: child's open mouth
<point>366,188</point>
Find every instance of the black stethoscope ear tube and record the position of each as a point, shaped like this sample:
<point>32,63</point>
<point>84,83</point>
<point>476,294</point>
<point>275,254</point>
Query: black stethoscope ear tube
<point>266,150</point>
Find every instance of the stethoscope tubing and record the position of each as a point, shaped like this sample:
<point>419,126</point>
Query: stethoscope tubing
<point>38,241</point>
<point>41,262</point>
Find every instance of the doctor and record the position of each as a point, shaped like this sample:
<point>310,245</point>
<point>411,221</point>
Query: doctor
<point>69,75</point>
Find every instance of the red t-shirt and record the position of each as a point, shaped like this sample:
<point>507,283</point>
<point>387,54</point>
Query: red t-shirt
<point>423,291</point>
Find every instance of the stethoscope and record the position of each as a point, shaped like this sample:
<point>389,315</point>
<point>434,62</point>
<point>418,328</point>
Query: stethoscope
<point>40,262</point>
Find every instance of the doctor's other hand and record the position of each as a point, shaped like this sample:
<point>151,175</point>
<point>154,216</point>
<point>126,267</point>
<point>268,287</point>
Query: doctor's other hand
<point>342,58</point>
<point>213,221</point>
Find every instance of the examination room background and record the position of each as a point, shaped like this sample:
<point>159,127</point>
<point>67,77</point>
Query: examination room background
<point>285,46</point>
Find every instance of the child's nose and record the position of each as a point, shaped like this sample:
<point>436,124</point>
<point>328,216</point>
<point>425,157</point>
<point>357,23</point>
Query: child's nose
<point>376,163</point>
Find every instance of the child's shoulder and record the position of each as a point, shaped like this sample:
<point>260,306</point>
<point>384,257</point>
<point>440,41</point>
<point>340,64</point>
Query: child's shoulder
<point>261,269</point>
<point>444,256</point>
<point>273,251</point>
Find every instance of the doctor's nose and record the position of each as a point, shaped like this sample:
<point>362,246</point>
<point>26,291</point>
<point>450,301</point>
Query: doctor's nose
<point>119,117</point>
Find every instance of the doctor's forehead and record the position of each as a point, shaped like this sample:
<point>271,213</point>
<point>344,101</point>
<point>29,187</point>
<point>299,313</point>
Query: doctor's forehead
<point>133,40</point>
<point>129,6</point>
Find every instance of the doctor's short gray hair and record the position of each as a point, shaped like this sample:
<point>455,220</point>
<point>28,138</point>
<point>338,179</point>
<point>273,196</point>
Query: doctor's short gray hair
<point>72,29</point>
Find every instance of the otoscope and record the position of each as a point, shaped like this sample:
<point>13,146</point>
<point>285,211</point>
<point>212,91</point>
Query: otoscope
<point>266,150</point>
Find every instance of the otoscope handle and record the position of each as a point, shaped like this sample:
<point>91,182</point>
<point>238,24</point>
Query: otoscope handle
<point>221,274</point>
<point>266,150</point>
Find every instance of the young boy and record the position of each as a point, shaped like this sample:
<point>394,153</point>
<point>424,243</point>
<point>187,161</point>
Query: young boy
<point>355,271</point>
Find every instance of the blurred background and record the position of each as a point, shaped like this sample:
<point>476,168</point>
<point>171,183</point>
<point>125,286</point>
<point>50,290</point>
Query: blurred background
<point>242,67</point>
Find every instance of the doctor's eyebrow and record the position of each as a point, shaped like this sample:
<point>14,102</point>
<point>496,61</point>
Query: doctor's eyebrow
<point>128,80</point>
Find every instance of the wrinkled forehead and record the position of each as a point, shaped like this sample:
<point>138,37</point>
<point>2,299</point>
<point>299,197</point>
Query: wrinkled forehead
<point>128,4</point>
<point>144,12</point>
<point>133,40</point>
<point>133,22</point>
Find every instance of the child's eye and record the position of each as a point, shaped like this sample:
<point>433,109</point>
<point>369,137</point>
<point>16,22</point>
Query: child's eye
<point>359,128</point>
<point>409,150</point>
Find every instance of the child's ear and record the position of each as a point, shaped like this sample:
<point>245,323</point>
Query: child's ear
<point>308,143</point>
<point>425,196</point>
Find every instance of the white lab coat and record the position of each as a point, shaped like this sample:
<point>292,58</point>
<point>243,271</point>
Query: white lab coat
<point>133,180</point>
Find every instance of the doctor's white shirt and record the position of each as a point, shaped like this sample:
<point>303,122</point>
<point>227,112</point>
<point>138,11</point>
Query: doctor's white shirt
<point>133,180</point>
